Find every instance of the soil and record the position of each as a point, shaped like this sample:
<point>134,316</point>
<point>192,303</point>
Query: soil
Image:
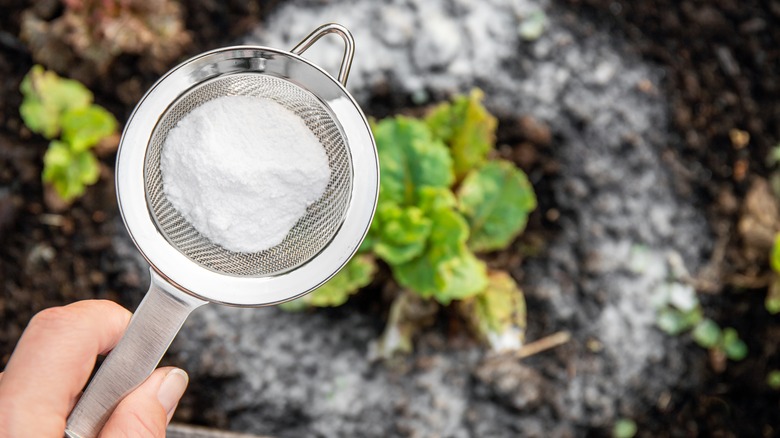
<point>722,62</point>
<point>721,69</point>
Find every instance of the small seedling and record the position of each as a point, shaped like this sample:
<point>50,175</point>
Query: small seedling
<point>707,333</point>
<point>442,201</point>
<point>680,311</point>
<point>532,27</point>
<point>735,348</point>
<point>772,301</point>
<point>773,379</point>
<point>96,32</point>
<point>56,107</point>
<point>624,428</point>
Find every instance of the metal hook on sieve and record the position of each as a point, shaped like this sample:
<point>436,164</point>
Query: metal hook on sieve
<point>349,46</point>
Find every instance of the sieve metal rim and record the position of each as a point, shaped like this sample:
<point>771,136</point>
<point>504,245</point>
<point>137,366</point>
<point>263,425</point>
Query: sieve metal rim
<point>202,282</point>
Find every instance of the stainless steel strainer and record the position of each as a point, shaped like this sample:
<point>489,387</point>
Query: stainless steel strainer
<point>187,269</point>
<point>310,234</point>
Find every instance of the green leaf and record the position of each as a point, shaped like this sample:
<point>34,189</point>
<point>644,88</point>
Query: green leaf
<point>671,321</point>
<point>460,276</point>
<point>85,168</point>
<point>400,233</point>
<point>496,200</point>
<point>85,127</point>
<point>624,428</point>
<point>431,199</point>
<point>59,92</point>
<point>674,322</point>
<point>706,333</point>
<point>467,128</point>
<point>446,270</point>
<point>774,156</point>
<point>46,97</point>
<point>734,347</point>
<point>772,300</point>
<point>774,259</point>
<point>52,105</point>
<point>41,119</point>
<point>773,379</point>
<point>68,171</point>
<point>358,273</point>
<point>498,313</point>
<point>409,159</point>
<point>57,158</point>
<point>532,26</point>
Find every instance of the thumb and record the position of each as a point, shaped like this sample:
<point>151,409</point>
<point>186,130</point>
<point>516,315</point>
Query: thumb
<point>146,411</point>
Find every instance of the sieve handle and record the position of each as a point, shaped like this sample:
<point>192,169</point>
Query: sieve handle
<point>149,334</point>
<point>349,46</point>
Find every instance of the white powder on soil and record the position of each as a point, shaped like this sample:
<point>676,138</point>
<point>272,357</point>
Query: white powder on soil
<point>242,171</point>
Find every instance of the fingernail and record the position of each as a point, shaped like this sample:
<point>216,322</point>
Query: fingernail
<point>171,390</point>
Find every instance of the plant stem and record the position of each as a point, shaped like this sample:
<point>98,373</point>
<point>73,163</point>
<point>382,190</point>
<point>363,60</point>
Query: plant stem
<point>546,343</point>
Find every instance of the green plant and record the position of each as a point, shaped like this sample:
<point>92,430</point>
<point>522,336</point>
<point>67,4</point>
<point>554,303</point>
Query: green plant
<point>772,301</point>
<point>624,428</point>
<point>442,201</point>
<point>90,34</point>
<point>57,107</point>
<point>680,312</point>
<point>356,274</point>
<point>532,26</point>
<point>773,379</point>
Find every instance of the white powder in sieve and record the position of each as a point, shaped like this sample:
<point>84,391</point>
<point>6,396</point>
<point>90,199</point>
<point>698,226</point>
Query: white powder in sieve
<point>242,171</point>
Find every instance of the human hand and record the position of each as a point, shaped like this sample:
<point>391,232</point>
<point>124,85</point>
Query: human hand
<point>52,362</point>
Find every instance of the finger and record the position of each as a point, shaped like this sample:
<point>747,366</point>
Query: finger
<point>148,409</point>
<point>52,362</point>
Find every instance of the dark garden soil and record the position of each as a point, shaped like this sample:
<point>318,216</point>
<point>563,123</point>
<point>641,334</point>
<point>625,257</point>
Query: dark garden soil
<point>723,73</point>
<point>722,61</point>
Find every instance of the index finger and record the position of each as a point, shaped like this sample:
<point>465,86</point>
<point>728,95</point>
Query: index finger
<point>52,362</point>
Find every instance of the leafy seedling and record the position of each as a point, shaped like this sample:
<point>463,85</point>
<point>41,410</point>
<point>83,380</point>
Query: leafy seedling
<point>441,200</point>
<point>707,333</point>
<point>93,33</point>
<point>773,379</point>
<point>47,98</point>
<point>681,312</point>
<point>69,171</point>
<point>58,107</point>
<point>772,300</point>
<point>734,347</point>
<point>532,27</point>
<point>675,322</point>
<point>624,428</point>
<point>356,274</point>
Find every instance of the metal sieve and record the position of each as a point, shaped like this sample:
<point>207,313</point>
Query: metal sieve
<point>310,234</point>
<point>187,269</point>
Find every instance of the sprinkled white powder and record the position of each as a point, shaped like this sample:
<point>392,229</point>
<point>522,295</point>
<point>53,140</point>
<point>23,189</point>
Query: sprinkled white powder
<point>242,171</point>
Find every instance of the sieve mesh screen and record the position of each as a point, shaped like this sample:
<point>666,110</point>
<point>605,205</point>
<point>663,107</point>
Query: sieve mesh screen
<point>312,232</point>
